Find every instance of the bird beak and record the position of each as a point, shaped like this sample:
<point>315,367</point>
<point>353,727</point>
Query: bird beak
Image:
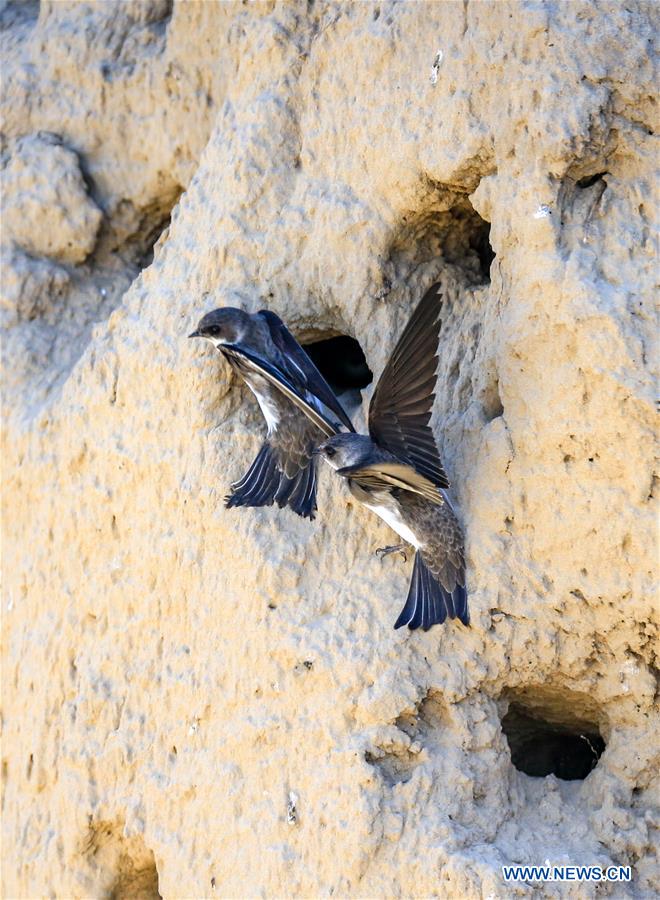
<point>316,450</point>
<point>195,334</point>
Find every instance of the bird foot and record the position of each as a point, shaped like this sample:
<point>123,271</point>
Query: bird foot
<point>382,552</point>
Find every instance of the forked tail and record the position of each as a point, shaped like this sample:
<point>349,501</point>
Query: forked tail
<point>265,483</point>
<point>429,602</point>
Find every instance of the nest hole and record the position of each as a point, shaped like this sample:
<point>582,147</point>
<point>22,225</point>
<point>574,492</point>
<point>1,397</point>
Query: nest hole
<point>492,401</point>
<point>446,227</point>
<point>479,243</point>
<point>138,231</point>
<point>590,180</point>
<point>341,361</point>
<point>553,734</point>
<point>118,867</point>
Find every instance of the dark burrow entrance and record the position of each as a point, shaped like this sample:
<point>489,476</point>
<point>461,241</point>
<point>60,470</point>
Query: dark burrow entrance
<point>446,227</point>
<point>120,868</point>
<point>552,736</point>
<point>342,363</point>
<point>479,242</point>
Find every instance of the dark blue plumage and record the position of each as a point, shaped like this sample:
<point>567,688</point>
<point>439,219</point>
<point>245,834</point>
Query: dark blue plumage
<point>299,407</point>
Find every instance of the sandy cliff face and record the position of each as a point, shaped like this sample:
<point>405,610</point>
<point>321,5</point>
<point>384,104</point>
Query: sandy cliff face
<point>203,702</point>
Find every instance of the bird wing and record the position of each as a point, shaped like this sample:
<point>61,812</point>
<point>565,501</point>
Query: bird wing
<point>302,372</point>
<point>400,408</point>
<point>386,475</point>
<point>246,359</point>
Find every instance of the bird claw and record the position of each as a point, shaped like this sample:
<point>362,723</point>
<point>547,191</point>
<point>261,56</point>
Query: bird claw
<point>382,552</point>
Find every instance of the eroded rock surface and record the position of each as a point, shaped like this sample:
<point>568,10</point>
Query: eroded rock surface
<point>46,209</point>
<point>204,702</point>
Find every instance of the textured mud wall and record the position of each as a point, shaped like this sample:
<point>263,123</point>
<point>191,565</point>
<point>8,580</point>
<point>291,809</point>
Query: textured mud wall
<point>202,702</point>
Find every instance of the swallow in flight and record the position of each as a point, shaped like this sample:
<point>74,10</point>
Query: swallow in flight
<point>299,407</point>
<point>396,472</point>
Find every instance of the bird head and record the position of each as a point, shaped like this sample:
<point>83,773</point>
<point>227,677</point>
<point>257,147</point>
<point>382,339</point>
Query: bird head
<point>223,326</point>
<point>342,451</point>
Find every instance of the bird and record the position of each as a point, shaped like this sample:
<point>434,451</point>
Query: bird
<point>396,472</point>
<point>299,407</point>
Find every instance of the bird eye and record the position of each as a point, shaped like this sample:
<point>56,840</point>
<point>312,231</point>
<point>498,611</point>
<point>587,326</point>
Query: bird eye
<point>330,451</point>
<point>213,330</point>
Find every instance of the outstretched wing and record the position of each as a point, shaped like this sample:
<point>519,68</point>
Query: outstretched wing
<point>400,408</point>
<point>378,476</point>
<point>302,372</point>
<point>249,363</point>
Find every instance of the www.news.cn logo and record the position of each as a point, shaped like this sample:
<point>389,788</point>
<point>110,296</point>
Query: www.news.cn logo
<point>566,873</point>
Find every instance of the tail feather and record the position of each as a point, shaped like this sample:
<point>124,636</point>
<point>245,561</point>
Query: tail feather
<point>265,483</point>
<point>429,603</point>
<point>437,611</point>
<point>460,603</point>
<point>449,600</point>
<point>302,494</point>
<point>409,607</point>
<point>258,484</point>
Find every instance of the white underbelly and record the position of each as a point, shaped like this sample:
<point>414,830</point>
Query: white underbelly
<point>268,408</point>
<point>396,523</point>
